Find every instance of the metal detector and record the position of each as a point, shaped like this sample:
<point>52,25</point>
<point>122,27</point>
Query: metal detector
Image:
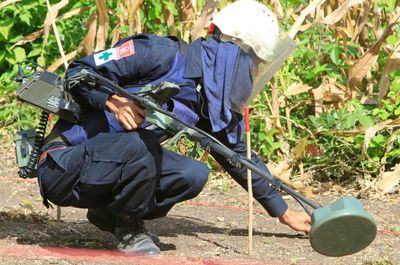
<point>338,229</point>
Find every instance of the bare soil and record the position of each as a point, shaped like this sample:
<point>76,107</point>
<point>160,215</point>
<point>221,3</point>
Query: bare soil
<point>211,229</point>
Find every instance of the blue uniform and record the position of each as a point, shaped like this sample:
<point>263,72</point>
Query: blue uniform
<point>106,167</point>
<point>132,63</point>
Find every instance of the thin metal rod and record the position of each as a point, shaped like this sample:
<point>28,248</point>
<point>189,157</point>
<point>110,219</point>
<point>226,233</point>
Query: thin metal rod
<point>249,181</point>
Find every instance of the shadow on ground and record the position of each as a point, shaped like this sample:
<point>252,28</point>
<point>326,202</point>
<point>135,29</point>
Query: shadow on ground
<point>36,229</point>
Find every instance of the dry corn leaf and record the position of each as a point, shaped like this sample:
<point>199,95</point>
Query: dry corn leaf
<point>209,8</point>
<point>275,103</point>
<point>371,131</point>
<point>102,31</point>
<point>133,8</point>
<point>138,25</point>
<point>296,88</point>
<point>186,9</point>
<point>122,18</point>
<point>169,18</point>
<point>187,16</point>
<point>362,24</point>
<point>303,189</point>
<point>389,146</point>
<point>284,147</point>
<point>351,26</point>
<point>392,64</point>
<point>299,149</point>
<point>338,13</point>
<point>389,180</point>
<point>54,66</point>
<point>8,2</point>
<point>363,65</point>
<point>278,9</point>
<point>318,99</point>
<point>28,38</point>
<point>56,34</point>
<point>283,170</point>
<point>334,92</point>
<point>52,12</point>
<point>74,12</point>
<point>376,23</point>
<point>33,36</point>
<point>89,40</point>
<point>306,26</point>
<point>303,14</point>
<point>347,31</point>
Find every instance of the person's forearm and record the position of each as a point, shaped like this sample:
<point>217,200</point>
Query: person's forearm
<point>268,197</point>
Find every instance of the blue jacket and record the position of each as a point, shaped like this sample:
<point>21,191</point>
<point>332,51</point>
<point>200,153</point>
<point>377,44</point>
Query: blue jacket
<point>142,59</point>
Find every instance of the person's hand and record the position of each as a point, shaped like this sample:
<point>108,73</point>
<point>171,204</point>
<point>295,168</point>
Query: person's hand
<point>128,113</point>
<point>299,221</point>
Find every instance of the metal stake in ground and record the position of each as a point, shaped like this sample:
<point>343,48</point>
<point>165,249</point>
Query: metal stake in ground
<point>249,180</point>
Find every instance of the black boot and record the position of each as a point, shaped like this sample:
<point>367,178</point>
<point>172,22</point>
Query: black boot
<point>133,237</point>
<point>105,219</point>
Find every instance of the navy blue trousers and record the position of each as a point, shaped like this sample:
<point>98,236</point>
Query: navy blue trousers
<point>120,173</point>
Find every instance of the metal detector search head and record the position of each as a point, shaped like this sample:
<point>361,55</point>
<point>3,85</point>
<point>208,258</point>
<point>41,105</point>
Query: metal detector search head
<point>341,228</point>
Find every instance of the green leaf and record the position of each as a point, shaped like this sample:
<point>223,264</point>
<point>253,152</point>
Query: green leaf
<point>16,55</point>
<point>33,53</point>
<point>26,18</point>
<point>27,204</point>
<point>335,55</point>
<point>171,7</point>
<point>158,6</point>
<point>366,121</point>
<point>2,55</point>
<point>349,120</point>
<point>378,140</point>
<point>5,28</point>
<point>20,54</point>
<point>392,40</point>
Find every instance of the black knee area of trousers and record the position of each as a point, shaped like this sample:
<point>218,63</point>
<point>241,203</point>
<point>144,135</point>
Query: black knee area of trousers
<point>103,218</point>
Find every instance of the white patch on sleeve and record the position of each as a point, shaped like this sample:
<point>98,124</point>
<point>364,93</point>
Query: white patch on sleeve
<point>105,56</point>
<point>126,49</point>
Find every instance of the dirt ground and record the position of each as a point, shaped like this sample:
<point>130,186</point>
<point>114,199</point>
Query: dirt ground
<point>211,229</point>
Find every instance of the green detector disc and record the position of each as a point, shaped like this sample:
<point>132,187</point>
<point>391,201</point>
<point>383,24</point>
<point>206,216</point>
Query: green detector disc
<point>341,228</point>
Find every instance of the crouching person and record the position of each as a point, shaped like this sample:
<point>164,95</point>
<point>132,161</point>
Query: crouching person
<point>122,177</point>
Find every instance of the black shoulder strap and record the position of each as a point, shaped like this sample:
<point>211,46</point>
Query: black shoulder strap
<point>183,45</point>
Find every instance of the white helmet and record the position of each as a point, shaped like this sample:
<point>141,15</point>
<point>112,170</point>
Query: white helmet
<point>251,24</point>
<point>253,27</point>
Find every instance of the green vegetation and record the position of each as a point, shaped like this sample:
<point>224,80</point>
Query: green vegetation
<point>331,110</point>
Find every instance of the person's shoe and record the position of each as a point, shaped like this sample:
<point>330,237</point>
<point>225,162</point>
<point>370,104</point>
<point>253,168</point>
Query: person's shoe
<point>133,237</point>
<point>153,237</point>
<point>105,219</point>
<point>139,243</point>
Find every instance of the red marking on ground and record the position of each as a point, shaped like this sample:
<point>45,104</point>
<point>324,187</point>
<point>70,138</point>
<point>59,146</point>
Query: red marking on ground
<point>11,179</point>
<point>258,211</point>
<point>112,257</point>
<point>388,232</point>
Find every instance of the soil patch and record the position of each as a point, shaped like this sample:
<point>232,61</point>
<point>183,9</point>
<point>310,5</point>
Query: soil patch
<point>211,229</point>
